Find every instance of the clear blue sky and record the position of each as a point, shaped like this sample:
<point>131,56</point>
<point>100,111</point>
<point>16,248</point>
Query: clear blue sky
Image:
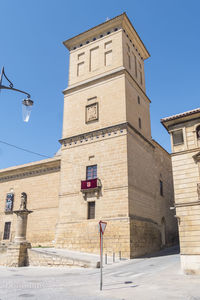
<point>35,60</point>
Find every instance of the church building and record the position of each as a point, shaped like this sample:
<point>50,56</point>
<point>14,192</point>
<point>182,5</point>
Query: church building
<point>108,167</point>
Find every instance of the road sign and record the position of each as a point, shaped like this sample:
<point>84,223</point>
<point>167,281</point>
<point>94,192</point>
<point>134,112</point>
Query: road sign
<point>102,226</point>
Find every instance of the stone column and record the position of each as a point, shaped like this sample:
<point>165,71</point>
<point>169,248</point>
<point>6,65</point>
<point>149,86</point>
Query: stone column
<point>21,225</point>
<point>17,252</point>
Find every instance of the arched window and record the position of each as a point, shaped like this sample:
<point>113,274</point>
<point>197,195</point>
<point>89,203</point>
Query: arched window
<point>198,132</point>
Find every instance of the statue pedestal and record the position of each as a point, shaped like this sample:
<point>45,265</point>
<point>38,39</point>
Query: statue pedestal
<point>17,254</point>
<point>22,216</point>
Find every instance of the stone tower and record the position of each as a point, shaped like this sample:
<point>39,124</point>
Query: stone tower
<point>111,169</point>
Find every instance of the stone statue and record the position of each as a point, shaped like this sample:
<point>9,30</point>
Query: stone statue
<point>23,201</point>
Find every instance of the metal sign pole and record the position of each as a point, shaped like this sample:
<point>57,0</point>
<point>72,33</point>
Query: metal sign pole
<point>102,227</point>
<point>101,259</point>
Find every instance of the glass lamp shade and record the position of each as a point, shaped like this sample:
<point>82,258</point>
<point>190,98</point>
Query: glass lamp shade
<point>27,105</point>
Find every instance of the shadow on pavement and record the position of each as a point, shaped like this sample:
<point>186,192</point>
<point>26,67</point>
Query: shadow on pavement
<point>164,252</point>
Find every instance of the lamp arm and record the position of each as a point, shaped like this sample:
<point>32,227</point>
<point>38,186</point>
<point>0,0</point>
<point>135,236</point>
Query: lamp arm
<point>10,87</point>
<point>13,89</point>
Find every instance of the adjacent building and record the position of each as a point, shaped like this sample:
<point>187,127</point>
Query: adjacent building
<point>184,130</point>
<point>108,168</point>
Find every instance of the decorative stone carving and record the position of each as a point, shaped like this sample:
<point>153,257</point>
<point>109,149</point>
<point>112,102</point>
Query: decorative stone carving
<point>92,112</point>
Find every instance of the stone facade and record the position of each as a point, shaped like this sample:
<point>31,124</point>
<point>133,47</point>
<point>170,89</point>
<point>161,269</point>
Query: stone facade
<point>40,181</point>
<point>185,138</point>
<point>106,124</point>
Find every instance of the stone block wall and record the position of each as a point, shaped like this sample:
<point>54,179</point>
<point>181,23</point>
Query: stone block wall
<point>84,236</point>
<point>40,181</point>
<point>145,237</point>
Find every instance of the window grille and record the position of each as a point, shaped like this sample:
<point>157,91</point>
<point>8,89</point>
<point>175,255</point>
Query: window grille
<point>177,137</point>
<point>6,234</point>
<point>91,210</point>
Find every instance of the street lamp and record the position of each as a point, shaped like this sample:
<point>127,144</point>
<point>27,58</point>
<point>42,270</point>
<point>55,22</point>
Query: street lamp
<point>26,103</point>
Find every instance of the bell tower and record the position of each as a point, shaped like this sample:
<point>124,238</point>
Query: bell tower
<point>109,59</point>
<point>106,128</point>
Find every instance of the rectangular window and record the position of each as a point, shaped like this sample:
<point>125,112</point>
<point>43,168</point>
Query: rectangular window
<point>140,77</point>
<point>91,210</point>
<point>9,202</point>
<point>129,61</point>
<point>177,137</point>
<point>140,123</point>
<point>108,45</point>
<point>81,56</point>
<point>91,172</point>
<point>108,58</point>
<point>6,234</point>
<point>94,59</point>
<point>80,69</point>
<point>135,62</point>
<point>161,188</point>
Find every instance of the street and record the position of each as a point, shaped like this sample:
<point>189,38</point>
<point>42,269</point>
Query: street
<point>148,278</point>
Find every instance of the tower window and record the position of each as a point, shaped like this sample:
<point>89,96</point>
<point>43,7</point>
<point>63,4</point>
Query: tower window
<point>138,99</point>
<point>135,61</point>
<point>91,210</point>
<point>140,123</point>
<point>177,137</point>
<point>6,234</point>
<point>91,172</point>
<point>161,188</point>
<point>198,132</point>
<point>140,77</point>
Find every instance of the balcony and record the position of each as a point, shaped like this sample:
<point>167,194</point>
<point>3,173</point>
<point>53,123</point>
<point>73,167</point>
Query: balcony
<point>90,185</point>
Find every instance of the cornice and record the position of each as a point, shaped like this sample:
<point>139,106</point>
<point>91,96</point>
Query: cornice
<point>93,80</point>
<point>30,170</point>
<point>185,151</point>
<point>104,29</point>
<point>99,134</point>
<point>102,77</point>
<point>94,135</point>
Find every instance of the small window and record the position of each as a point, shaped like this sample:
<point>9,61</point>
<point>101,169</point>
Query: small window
<point>6,234</point>
<point>135,60</point>
<point>161,188</point>
<point>140,123</point>
<point>177,137</point>
<point>91,172</point>
<point>91,210</point>
<point>138,99</point>
<point>141,78</point>
<point>198,132</point>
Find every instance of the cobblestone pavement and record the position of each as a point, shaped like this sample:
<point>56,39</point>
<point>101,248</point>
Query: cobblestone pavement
<point>149,278</point>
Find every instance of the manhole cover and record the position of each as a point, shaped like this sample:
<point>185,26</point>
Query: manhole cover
<point>26,295</point>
